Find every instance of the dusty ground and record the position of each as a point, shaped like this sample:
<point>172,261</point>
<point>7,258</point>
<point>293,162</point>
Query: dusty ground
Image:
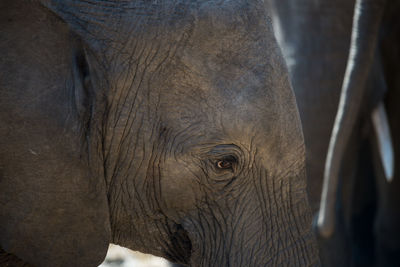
<point>122,257</point>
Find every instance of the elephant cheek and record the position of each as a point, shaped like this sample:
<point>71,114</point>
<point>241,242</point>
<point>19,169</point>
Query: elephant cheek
<point>178,190</point>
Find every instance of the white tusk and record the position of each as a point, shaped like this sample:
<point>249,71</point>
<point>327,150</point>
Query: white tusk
<point>384,140</point>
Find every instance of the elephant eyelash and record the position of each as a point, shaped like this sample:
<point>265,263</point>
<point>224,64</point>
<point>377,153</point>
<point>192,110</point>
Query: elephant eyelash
<point>226,163</point>
<point>224,160</point>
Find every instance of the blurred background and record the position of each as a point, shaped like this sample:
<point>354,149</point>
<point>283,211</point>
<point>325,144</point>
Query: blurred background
<point>122,257</point>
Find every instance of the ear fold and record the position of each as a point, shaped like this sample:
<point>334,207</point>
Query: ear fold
<point>53,206</point>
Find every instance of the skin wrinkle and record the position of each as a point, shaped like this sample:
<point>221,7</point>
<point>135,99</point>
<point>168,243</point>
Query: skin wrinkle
<point>299,232</point>
<point>268,204</point>
<point>242,233</point>
<point>215,224</point>
<point>158,194</point>
<point>284,217</point>
<point>262,198</point>
<point>302,233</point>
<point>81,25</point>
<point>128,145</point>
<point>134,152</point>
<point>221,247</point>
<point>128,117</point>
<point>136,69</point>
<point>162,160</point>
<point>145,60</point>
<point>271,188</point>
<point>116,169</point>
<point>290,216</point>
<point>119,95</point>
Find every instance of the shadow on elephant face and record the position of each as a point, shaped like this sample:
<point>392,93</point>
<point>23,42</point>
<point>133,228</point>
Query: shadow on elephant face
<point>179,120</point>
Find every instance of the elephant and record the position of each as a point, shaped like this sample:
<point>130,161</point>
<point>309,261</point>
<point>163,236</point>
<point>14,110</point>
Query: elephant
<point>316,39</point>
<point>167,127</point>
<point>371,76</point>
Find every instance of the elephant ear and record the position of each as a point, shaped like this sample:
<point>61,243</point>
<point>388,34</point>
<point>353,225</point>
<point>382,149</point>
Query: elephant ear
<point>53,205</point>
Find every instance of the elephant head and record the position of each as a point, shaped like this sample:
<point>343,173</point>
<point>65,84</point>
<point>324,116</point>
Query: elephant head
<point>168,127</point>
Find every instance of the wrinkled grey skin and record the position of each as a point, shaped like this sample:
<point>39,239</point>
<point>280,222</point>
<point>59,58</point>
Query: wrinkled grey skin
<point>115,117</point>
<point>315,37</point>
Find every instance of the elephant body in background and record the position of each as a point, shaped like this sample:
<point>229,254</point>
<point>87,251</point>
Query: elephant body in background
<point>315,38</point>
<point>387,232</point>
<point>167,127</point>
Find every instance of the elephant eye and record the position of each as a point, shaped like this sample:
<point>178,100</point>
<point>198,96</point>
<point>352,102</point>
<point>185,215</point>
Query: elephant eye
<point>226,163</point>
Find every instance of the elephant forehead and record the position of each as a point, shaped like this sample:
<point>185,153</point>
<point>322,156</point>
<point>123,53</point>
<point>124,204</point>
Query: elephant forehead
<point>222,101</point>
<point>241,115</point>
<point>236,92</point>
<point>243,98</point>
<point>117,24</point>
<point>222,30</point>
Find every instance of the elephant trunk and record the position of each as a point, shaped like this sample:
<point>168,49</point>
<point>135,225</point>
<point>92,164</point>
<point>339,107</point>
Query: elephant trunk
<point>255,247</point>
<point>366,22</point>
<point>270,227</point>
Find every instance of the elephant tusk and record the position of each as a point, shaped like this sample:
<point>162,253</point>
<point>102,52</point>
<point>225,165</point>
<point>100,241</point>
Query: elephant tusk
<point>384,140</point>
